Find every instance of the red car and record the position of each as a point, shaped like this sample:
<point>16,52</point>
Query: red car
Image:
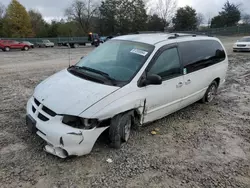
<point>7,45</point>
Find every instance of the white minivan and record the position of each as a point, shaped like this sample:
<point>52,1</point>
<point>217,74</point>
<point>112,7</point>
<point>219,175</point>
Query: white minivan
<point>126,82</point>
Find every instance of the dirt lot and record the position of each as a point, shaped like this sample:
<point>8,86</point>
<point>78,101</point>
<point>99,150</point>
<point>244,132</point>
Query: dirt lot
<point>200,146</point>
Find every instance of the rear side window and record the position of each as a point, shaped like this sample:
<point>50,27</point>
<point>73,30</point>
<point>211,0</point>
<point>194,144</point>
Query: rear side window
<point>197,55</point>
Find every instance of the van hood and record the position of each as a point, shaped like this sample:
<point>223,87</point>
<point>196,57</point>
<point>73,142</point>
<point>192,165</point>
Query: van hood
<point>67,94</point>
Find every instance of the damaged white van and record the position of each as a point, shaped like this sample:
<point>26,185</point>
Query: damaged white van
<point>128,81</point>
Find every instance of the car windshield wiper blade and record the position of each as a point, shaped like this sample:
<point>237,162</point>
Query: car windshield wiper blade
<point>106,75</point>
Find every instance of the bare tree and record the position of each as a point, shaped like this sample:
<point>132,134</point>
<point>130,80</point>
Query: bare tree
<point>2,10</point>
<point>246,18</point>
<point>200,19</point>
<point>82,11</point>
<point>209,19</point>
<point>166,9</point>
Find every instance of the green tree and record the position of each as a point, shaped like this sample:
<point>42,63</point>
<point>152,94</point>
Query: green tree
<point>185,19</point>
<point>139,16</point>
<point>17,20</point>
<point>218,21</point>
<point>108,12</point>
<point>123,16</point>
<point>230,16</point>
<point>2,13</point>
<point>155,23</point>
<point>38,23</point>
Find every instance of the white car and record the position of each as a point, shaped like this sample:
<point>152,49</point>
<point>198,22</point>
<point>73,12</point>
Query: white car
<point>46,43</point>
<point>126,82</point>
<point>242,45</point>
<point>28,43</point>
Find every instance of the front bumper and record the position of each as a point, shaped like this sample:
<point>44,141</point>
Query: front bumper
<point>62,140</point>
<point>241,49</point>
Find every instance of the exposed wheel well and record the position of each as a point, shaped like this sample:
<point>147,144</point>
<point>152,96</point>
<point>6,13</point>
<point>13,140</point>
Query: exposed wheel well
<point>217,81</point>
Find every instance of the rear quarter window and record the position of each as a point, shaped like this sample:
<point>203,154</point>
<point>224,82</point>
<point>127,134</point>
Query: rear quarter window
<point>200,54</point>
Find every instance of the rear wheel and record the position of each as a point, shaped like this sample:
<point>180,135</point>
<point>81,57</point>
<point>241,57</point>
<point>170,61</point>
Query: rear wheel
<point>210,93</point>
<point>120,129</point>
<point>6,49</point>
<point>26,48</point>
<point>76,45</point>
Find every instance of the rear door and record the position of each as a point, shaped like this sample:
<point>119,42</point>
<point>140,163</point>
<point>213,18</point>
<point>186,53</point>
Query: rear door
<point>164,99</point>
<point>199,58</point>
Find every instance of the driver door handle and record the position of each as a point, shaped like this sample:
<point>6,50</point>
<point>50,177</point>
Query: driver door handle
<point>188,82</point>
<point>179,85</point>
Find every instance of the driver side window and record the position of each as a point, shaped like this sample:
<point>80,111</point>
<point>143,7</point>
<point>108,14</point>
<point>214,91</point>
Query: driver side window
<point>167,65</point>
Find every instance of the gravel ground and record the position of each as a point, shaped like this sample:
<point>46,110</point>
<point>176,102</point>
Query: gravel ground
<point>199,146</point>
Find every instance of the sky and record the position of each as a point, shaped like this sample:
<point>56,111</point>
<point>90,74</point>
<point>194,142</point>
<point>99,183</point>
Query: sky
<point>54,9</point>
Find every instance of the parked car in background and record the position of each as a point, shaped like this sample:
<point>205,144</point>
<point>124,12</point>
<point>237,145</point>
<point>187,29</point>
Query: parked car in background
<point>45,44</point>
<point>103,39</point>
<point>108,38</point>
<point>28,43</point>
<point>127,82</point>
<point>242,45</point>
<point>7,45</point>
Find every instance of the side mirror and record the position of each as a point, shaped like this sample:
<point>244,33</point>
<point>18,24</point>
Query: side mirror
<point>152,79</point>
<point>82,57</point>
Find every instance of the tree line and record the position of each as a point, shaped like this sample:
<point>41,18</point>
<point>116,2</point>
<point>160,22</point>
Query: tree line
<point>112,17</point>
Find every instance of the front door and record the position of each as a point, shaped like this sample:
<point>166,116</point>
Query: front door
<point>164,99</point>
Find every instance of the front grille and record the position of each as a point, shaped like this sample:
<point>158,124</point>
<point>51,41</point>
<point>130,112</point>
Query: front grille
<point>39,107</point>
<point>241,45</point>
<point>42,117</point>
<point>37,102</point>
<point>48,111</point>
<point>33,109</point>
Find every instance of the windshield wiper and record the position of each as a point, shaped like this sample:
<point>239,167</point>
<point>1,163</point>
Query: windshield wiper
<point>104,74</point>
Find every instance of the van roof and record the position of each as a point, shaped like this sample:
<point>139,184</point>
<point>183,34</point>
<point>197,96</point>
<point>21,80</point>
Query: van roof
<point>156,37</point>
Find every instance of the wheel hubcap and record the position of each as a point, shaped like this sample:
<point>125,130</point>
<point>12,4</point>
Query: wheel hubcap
<point>211,93</point>
<point>127,128</point>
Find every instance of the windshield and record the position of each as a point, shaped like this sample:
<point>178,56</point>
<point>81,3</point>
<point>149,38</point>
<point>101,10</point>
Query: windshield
<point>120,60</point>
<point>245,39</point>
<point>46,41</point>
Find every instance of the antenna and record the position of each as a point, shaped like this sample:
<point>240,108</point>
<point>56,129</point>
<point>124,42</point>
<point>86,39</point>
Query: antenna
<point>69,52</point>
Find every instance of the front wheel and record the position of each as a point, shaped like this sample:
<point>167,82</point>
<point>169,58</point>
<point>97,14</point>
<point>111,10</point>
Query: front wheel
<point>120,128</point>
<point>210,93</point>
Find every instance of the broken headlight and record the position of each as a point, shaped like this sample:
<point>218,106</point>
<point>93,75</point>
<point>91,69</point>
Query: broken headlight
<point>80,123</point>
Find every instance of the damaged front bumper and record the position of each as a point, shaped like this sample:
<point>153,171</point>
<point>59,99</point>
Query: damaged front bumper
<point>62,140</point>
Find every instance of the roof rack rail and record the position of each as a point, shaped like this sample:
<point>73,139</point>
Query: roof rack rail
<point>176,35</point>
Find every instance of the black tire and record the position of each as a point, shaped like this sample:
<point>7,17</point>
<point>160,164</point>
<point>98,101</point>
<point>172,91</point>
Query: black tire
<point>210,93</point>
<point>75,45</point>
<point>120,129</point>
<point>6,49</point>
<point>26,48</point>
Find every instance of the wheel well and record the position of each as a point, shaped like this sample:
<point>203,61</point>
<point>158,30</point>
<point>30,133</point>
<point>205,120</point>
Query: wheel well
<point>217,81</point>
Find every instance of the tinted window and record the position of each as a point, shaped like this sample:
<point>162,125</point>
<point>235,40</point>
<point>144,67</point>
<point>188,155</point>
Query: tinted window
<point>201,54</point>
<point>167,64</point>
